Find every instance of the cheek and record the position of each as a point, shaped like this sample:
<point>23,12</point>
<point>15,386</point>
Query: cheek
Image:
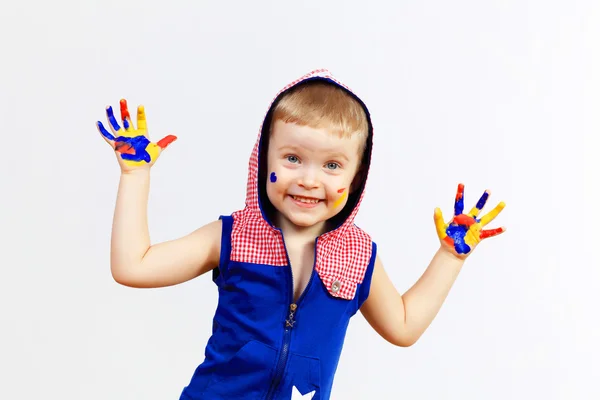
<point>340,185</point>
<point>339,189</point>
<point>342,195</point>
<point>275,183</point>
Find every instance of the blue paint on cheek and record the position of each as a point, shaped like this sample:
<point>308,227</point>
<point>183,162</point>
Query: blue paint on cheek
<point>273,177</point>
<point>458,233</point>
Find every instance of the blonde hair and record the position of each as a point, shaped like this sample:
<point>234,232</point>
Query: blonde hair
<point>322,105</point>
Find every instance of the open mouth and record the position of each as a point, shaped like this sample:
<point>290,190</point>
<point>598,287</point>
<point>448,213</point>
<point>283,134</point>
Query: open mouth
<point>305,200</point>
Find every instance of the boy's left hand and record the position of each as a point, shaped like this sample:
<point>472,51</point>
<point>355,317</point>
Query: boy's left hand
<point>464,232</point>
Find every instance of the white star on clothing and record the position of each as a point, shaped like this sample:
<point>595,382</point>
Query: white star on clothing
<point>297,396</point>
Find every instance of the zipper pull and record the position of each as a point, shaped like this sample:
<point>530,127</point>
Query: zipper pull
<point>289,323</point>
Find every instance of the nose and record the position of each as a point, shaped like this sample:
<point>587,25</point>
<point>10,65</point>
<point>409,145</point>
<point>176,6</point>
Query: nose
<point>308,179</point>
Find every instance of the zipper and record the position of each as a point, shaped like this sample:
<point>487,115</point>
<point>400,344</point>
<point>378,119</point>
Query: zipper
<point>287,335</point>
<point>288,323</point>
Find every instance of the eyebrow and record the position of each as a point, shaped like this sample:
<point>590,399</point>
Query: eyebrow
<point>336,154</point>
<point>339,155</point>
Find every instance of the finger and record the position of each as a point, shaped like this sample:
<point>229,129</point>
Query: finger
<point>459,204</point>
<point>113,122</point>
<point>480,204</point>
<point>105,134</point>
<point>487,233</point>
<point>489,217</point>
<point>167,140</point>
<point>125,117</point>
<point>141,119</point>
<point>440,225</point>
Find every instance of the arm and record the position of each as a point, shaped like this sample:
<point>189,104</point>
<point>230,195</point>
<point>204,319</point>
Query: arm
<point>402,319</point>
<point>134,261</point>
<point>137,263</point>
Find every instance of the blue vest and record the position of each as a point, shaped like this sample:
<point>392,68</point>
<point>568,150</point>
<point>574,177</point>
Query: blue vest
<point>262,343</point>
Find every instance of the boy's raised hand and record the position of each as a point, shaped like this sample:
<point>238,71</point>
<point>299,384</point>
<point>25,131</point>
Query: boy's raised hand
<point>464,232</point>
<point>133,148</point>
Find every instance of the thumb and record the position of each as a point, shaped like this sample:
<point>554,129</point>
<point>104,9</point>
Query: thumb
<point>166,141</point>
<point>440,225</point>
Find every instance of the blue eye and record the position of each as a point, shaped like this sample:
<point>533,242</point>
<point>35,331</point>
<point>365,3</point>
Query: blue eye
<point>332,166</point>
<point>292,159</point>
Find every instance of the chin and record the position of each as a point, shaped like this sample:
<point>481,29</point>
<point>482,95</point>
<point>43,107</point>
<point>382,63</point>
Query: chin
<point>304,221</point>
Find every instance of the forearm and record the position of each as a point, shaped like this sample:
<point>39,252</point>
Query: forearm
<point>424,299</point>
<point>130,236</point>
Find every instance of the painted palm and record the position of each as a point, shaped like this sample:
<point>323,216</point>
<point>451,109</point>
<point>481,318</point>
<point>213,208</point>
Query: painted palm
<point>465,231</point>
<point>132,145</point>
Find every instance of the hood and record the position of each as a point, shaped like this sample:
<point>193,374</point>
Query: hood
<point>342,253</point>
<point>256,198</point>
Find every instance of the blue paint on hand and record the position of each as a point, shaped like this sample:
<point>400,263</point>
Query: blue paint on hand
<point>459,206</point>
<point>112,119</point>
<point>139,144</point>
<point>135,157</point>
<point>104,132</point>
<point>273,177</point>
<point>126,124</point>
<point>458,233</point>
<point>482,201</point>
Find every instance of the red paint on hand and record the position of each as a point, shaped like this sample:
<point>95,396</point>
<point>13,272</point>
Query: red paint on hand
<point>449,241</point>
<point>124,148</point>
<point>341,190</point>
<point>460,192</point>
<point>490,232</point>
<point>124,110</point>
<point>167,140</point>
<point>463,219</point>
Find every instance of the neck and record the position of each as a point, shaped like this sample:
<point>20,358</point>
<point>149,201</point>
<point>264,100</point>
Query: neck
<point>300,233</point>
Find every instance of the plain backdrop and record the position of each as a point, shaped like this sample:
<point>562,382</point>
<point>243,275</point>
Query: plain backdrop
<point>499,95</point>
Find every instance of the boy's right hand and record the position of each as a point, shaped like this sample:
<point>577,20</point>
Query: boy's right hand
<point>132,146</point>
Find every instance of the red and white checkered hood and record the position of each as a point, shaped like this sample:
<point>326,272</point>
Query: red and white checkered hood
<point>342,255</point>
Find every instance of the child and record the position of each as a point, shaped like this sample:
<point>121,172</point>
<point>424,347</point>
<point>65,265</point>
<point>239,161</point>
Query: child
<point>291,267</point>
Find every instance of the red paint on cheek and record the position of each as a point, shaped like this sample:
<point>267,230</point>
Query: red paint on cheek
<point>341,190</point>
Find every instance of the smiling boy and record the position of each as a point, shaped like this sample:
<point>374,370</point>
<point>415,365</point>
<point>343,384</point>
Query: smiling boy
<point>291,268</point>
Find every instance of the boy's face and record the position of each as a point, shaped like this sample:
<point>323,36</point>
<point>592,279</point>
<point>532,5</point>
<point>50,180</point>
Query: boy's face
<point>310,173</point>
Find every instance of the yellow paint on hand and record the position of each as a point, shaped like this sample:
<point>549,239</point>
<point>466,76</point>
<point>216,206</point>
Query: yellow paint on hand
<point>440,225</point>
<point>489,217</point>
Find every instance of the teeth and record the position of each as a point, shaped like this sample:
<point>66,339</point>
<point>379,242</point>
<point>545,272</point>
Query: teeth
<point>305,200</point>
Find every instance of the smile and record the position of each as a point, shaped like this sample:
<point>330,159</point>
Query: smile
<point>306,200</point>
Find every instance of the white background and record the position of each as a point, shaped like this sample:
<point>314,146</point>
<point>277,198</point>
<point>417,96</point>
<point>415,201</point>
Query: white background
<point>502,95</point>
